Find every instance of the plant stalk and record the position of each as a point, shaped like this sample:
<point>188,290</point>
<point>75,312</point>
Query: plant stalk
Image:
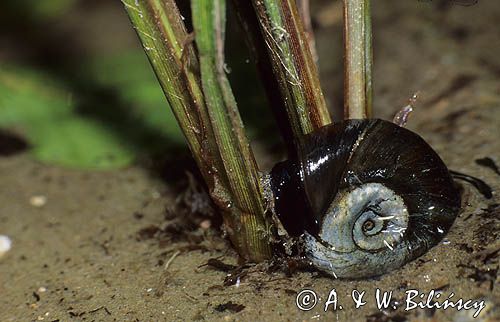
<point>165,41</point>
<point>304,7</point>
<point>212,133</point>
<point>358,59</point>
<point>287,45</point>
<point>258,53</point>
<point>209,21</point>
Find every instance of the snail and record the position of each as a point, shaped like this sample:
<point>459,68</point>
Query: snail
<point>364,197</point>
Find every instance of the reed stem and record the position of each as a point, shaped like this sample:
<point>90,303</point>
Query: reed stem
<point>358,59</point>
<point>200,97</point>
<point>209,21</point>
<point>294,68</point>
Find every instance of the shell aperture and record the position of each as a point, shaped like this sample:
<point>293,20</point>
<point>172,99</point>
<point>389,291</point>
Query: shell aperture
<point>366,196</point>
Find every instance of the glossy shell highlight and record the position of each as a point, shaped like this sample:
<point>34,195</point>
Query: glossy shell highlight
<point>365,196</point>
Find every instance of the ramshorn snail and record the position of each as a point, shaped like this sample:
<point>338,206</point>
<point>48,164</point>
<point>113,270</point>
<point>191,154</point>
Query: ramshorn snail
<point>365,197</point>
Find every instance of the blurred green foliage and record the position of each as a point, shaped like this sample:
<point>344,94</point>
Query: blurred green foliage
<point>132,76</point>
<point>81,103</point>
<point>63,126</point>
<point>43,9</point>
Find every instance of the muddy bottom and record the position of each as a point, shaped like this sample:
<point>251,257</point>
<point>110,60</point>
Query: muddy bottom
<point>112,246</point>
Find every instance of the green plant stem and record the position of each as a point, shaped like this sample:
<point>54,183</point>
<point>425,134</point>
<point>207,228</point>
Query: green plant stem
<point>209,20</point>
<point>165,41</point>
<point>293,66</point>
<point>358,59</point>
<point>207,115</point>
<point>258,53</point>
<point>304,7</point>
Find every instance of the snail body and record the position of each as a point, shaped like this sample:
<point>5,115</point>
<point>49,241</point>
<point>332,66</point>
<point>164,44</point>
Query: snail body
<point>365,197</point>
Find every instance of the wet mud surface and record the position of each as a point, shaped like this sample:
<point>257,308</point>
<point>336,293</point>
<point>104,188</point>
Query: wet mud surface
<point>124,245</point>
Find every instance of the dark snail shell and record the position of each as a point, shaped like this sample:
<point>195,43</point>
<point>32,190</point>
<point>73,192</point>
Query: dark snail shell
<point>366,196</point>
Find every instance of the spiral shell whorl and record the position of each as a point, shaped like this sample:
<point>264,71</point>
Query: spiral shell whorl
<point>371,217</point>
<point>366,196</point>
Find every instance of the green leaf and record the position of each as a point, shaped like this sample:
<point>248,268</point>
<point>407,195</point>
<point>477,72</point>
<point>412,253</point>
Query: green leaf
<point>69,125</point>
<point>132,77</point>
<point>44,112</point>
<point>79,143</point>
